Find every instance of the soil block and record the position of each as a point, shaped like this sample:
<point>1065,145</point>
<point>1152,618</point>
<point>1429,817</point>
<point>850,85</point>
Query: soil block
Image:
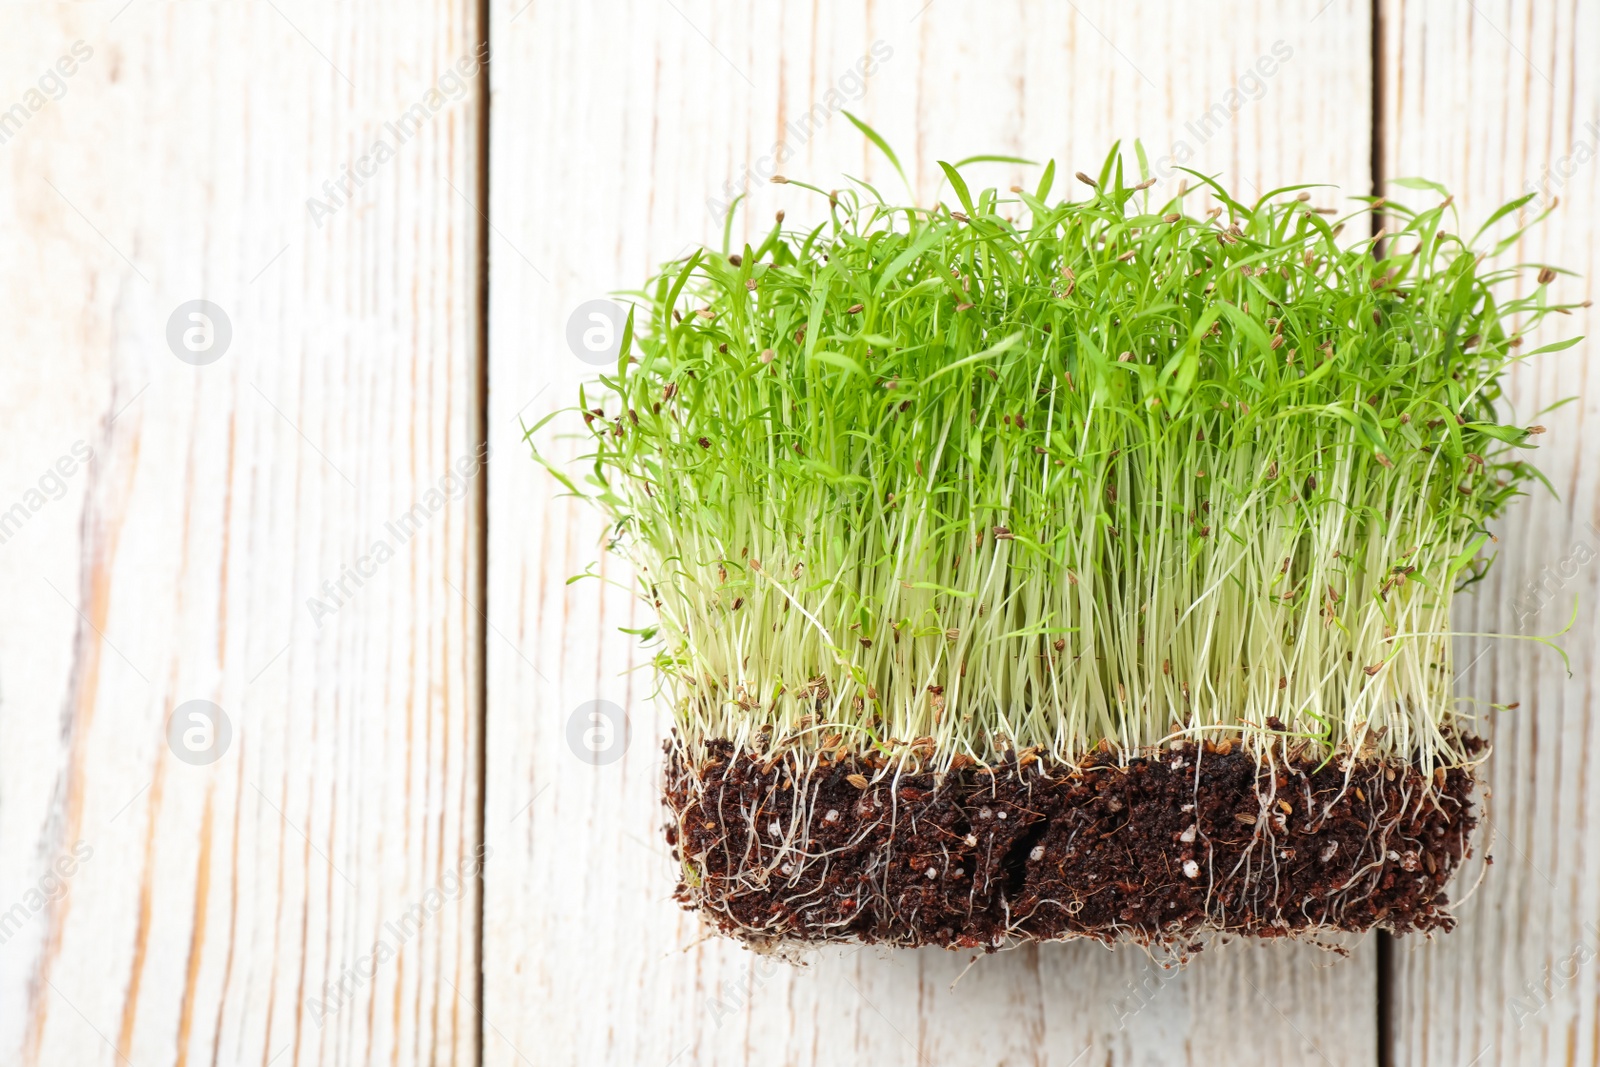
<point>1159,848</point>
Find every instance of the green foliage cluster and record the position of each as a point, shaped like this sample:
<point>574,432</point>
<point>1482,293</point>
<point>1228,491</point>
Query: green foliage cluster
<point>1026,472</point>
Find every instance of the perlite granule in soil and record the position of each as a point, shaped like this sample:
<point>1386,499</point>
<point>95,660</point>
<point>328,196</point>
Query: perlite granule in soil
<point>1035,568</point>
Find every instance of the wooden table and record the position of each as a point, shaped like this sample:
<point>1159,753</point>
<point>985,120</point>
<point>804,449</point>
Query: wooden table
<point>279,509</point>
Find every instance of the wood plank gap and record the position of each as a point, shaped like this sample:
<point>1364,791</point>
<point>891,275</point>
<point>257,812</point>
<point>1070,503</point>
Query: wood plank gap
<point>1375,28</point>
<point>1385,985</point>
<point>1385,994</point>
<point>480,497</point>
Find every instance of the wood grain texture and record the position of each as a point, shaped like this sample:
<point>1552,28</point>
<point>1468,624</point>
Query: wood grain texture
<point>1488,98</point>
<point>613,124</point>
<point>216,901</point>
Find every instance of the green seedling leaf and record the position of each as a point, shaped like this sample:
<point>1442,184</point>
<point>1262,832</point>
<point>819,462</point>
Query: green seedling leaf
<point>959,186</point>
<point>882,146</point>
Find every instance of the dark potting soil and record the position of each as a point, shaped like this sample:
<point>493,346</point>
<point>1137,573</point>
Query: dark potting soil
<point>1158,849</point>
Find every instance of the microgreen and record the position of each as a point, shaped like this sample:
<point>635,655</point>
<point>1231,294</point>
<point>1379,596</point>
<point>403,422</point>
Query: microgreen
<point>1061,474</point>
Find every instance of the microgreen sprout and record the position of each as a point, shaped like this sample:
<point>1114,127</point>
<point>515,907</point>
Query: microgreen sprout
<point>1017,473</point>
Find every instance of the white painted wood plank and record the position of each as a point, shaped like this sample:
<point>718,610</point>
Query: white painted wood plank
<point>1488,98</point>
<point>613,123</point>
<point>210,904</point>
